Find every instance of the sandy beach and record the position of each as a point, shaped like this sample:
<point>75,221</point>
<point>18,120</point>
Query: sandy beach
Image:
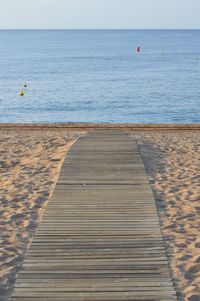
<point>30,164</point>
<point>172,161</point>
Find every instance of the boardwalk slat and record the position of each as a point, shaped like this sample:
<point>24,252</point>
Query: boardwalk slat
<point>99,239</point>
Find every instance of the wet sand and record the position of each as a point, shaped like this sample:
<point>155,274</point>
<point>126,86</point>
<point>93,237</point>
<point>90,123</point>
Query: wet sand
<point>172,161</point>
<point>30,163</point>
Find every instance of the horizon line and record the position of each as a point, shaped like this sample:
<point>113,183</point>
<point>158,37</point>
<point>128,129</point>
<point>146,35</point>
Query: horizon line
<point>99,29</point>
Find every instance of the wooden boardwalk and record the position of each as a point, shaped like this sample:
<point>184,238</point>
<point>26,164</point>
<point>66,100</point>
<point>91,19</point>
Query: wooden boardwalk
<point>99,239</point>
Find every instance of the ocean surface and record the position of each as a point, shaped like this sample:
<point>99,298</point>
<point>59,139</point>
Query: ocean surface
<point>97,76</point>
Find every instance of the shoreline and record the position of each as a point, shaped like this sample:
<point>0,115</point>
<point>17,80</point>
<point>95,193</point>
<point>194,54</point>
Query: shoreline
<point>100,126</point>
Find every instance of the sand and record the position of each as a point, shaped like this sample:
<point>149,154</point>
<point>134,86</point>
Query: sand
<point>30,163</point>
<point>172,161</point>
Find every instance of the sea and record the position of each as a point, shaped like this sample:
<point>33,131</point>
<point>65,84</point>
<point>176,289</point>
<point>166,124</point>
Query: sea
<point>98,76</point>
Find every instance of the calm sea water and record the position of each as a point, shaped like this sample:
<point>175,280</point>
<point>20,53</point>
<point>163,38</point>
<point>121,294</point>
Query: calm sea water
<point>97,76</point>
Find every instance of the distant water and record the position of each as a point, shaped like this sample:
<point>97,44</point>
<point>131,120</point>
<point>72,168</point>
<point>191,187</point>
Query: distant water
<point>97,76</point>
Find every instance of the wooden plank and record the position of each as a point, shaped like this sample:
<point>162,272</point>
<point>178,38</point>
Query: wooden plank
<point>99,238</point>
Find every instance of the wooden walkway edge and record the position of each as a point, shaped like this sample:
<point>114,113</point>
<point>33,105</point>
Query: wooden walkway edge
<point>99,239</point>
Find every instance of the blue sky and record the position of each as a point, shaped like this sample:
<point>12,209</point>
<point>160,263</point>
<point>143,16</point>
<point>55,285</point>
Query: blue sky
<point>74,14</point>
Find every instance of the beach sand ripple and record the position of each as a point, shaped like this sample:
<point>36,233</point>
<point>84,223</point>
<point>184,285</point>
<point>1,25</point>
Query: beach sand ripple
<point>30,163</point>
<point>172,161</point>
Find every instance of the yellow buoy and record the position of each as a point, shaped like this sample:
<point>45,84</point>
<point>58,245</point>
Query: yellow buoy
<point>25,85</point>
<point>21,93</point>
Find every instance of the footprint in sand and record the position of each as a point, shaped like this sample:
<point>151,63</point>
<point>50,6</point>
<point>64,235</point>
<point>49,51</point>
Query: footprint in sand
<point>194,269</point>
<point>18,216</point>
<point>194,298</point>
<point>197,260</point>
<point>197,245</point>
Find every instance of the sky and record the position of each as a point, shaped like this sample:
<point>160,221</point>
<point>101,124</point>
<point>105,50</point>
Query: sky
<point>99,14</point>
